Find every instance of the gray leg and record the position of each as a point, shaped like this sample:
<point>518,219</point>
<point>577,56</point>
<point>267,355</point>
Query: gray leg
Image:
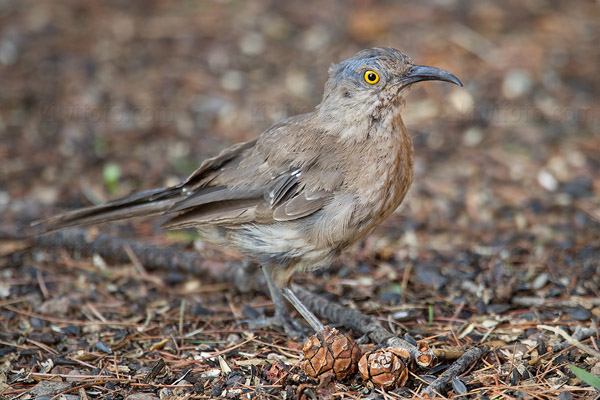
<point>275,293</point>
<point>301,308</point>
<point>281,317</point>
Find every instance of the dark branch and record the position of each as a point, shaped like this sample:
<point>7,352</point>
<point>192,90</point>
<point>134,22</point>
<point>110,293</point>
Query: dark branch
<point>438,386</point>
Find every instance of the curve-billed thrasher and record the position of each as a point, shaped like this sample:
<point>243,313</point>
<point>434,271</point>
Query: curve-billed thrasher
<point>307,187</point>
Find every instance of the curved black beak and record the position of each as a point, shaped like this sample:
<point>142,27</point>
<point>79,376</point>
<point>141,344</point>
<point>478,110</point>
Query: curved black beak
<point>418,73</point>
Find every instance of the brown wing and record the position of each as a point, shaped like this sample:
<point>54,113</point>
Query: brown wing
<point>253,188</point>
<point>238,186</point>
<point>283,199</point>
<point>303,204</point>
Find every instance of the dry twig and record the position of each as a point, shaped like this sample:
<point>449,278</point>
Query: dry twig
<point>571,340</point>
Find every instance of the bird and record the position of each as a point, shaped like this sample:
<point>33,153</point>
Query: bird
<point>306,188</point>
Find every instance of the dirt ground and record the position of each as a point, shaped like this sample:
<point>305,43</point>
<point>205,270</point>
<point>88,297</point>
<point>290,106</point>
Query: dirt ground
<point>498,239</point>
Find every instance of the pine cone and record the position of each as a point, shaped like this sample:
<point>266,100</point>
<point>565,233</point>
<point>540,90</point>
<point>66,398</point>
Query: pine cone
<point>426,359</point>
<point>386,368</point>
<point>330,351</point>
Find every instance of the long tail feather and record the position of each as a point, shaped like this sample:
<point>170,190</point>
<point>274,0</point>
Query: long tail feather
<point>150,202</point>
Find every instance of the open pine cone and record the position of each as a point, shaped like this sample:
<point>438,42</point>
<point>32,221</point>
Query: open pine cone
<point>330,351</point>
<point>386,368</point>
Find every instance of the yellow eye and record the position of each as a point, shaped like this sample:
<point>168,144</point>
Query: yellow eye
<point>371,77</point>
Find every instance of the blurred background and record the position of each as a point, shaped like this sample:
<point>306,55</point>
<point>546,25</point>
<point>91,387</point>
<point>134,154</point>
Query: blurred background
<point>101,98</point>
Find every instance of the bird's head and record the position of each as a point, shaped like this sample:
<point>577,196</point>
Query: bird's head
<point>371,82</point>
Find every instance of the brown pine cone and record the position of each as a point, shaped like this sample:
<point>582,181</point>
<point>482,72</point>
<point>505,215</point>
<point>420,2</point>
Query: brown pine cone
<point>386,368</point>
<point>426,359</point>
<point>330,351</point>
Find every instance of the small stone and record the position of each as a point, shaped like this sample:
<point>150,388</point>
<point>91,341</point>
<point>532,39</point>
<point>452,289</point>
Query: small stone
<point>579,187</point>
<point>540,281</point>
<point>462,101</point>
<point>516,83</point>
<point>459,387</point>
<point>595,370</point>
<point>252,44</point>
<point>472,137</point>
<point>8,52</point>
<point>142,396</point>
<point>45,388</point>
<point>580,314</point>
<point>565,396</point>
<point>100,345</point>
<point>232,80</point>
<point>547,180</point>
<point>75,375</point>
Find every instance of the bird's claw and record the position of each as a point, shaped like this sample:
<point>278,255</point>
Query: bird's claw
<point>290,326</point>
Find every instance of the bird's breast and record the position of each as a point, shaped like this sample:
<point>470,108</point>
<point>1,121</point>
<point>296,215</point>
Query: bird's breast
<point>382,178</point>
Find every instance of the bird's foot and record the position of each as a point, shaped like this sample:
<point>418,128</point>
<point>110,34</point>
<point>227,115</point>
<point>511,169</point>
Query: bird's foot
<point>291,326</point>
